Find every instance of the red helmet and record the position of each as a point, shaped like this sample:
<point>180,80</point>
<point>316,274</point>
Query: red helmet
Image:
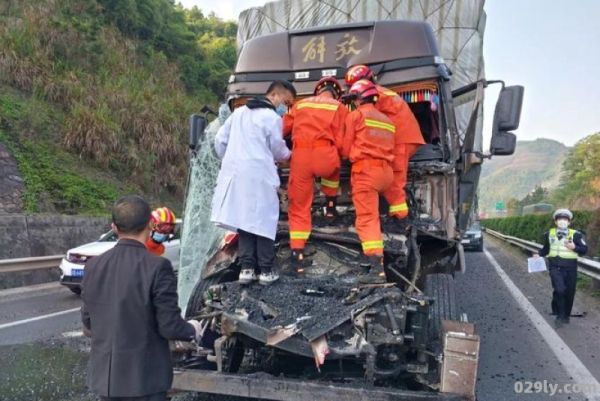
<point>163,220</point>
<point>330,82</point>
<point>364,89</point>
<point>356,73</point>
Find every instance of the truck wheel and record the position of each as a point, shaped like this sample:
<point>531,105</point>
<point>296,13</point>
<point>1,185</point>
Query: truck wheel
<point>440,287</point>
<point>195,302</point>
<point>75,290</point>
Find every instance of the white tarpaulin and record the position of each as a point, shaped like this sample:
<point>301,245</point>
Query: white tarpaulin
<point>458,24</point>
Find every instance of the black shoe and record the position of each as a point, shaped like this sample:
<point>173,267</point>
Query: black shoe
<point>376,274</point>
<point>330,208</point>
<point>299,261</point>
<point>560,322</point>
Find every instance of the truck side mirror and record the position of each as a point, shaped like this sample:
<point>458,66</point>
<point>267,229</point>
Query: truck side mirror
<point>503,144</point>
<point>197,125</point>
<point>507,117</point>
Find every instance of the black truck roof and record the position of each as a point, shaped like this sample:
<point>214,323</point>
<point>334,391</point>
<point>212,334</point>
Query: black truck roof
<point>304,56</point>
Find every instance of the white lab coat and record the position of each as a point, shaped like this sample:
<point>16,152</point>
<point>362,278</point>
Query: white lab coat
<point>250,142</point>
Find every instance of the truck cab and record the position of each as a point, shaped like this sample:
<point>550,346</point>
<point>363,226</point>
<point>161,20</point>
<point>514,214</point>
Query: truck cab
<point>392,335</point>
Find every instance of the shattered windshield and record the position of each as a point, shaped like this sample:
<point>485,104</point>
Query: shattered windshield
<point>199,237</point>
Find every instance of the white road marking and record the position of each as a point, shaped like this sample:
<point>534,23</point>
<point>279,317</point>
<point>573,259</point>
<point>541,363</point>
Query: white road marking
<point>73,334</point>
<point>572,364</point>
<point>35,319</point>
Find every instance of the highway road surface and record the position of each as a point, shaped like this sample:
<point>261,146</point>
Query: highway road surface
<point>523,357</point>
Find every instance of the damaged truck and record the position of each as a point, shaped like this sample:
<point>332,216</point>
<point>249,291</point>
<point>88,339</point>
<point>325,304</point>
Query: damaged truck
<point>323,335</point>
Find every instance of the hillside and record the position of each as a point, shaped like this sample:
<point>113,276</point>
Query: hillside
<point>534,163</point>
<point>95,97</point>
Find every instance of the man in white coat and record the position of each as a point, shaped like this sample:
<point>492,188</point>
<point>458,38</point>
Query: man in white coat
<point>245,200</point>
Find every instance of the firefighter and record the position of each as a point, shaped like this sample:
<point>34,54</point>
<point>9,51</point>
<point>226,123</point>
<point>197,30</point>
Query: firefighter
<point>369,140</point>
<point>316,124</point>
<point>562,246</point>
<point>163,228</point>
<point>408,137</point>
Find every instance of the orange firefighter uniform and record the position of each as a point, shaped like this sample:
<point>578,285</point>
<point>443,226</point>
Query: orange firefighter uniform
<point>154,248</point>
<point>408,140</point>
<point>316,124</point>
<point>369,141</point>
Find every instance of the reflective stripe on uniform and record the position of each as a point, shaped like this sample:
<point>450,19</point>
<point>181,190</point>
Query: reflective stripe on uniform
<point>367,245</point>
<point>320,106</point>
<point>299,234</point>
<point>558,249</point>
<point>380,124</point>
<point>401,207</point>
<point>330,184</point>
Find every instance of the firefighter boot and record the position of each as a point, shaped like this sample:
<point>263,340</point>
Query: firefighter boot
<point>330,208</point>
<point>376,275</point>
<point>299,261</point>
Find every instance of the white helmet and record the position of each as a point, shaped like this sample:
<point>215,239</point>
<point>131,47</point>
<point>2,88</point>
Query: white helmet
<point>565,213</point>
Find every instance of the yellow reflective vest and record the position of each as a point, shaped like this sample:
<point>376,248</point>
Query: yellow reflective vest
<point>558,248</point>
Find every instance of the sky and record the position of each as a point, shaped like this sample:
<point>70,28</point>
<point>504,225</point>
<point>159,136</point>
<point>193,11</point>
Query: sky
<point>551,47</point>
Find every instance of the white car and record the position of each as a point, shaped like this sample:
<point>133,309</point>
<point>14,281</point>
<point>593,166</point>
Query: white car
<point>72,265</point>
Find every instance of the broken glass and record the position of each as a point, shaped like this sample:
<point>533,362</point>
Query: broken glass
<point>199,237</point>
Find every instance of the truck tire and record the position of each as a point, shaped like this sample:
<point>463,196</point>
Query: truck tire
<point>195,302</point>
<point>233,348</point>
<point>440,287</point>
<point>75,290</point>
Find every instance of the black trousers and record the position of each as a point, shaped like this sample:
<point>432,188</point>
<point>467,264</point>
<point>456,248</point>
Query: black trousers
<point>564,283</point>
<point>256,252</point>
<point>152,397</point>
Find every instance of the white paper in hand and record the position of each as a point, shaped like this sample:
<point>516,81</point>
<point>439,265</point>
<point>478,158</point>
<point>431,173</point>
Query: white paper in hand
<point>535,265</point>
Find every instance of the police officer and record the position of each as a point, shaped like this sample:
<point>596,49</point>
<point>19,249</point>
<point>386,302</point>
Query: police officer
<point>562,245</point>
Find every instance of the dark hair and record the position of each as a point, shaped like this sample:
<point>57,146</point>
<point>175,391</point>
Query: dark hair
<point>282,85</point>
<point>131,214</point>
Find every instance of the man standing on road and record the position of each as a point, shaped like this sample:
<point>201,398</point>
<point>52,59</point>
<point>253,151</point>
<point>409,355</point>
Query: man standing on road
<point>562,246</point>
<point>245,199</point>
<point>130,311</point>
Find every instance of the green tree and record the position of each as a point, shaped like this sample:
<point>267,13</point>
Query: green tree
<point>513,207</point>
<point>538,195</point>
<point>581,181</point>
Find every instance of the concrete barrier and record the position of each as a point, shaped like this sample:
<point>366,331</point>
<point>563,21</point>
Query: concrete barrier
<point>26,236</point>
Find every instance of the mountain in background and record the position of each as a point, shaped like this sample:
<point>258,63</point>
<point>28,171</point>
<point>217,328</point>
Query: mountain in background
<point>534,163</point>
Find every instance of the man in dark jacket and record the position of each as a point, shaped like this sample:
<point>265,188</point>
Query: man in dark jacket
<point>562,246</point>
<point>130,311</point>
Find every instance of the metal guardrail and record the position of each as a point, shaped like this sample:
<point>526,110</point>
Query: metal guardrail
<point>26,264</point>
<point>586,266</point>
